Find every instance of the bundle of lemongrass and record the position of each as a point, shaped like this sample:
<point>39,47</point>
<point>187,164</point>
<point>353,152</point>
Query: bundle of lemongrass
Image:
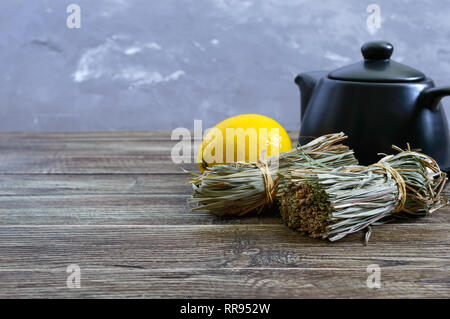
<point>332,204</point>
<point>240,188</point>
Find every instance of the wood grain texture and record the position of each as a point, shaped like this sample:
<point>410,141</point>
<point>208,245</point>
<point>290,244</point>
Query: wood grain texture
<point>115,204</point>
<point>227,283</point>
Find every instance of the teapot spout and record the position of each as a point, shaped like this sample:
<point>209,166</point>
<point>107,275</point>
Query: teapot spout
<point>307,82</point>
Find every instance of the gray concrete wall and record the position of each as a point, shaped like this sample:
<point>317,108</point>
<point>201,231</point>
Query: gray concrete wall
<point>160,64</point>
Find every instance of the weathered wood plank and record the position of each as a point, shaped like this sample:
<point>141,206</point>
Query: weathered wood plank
<point>98,184</point>
<point>61,164</point>
<point>218,246</point>
<point>124,209</point>
<point>134,209</point>
<point>156,199</point>
<point>94,148</point>
<point>95,153</point>
<point>92,184</point>
<point>83,136</point>
<point>226,283</point>
<point>44,153</point>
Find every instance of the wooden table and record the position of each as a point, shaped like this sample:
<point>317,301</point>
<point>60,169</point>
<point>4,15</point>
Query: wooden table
<point>115,205</point>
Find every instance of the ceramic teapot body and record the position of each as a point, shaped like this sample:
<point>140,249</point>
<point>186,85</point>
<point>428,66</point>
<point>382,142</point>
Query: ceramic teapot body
<point>376,114</point>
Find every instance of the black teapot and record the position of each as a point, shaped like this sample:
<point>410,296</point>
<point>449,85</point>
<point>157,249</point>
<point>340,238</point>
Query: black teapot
<point>377,103</point>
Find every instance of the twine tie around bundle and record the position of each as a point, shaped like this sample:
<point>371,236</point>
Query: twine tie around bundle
<point>269,183</point>
<point>401,185</point>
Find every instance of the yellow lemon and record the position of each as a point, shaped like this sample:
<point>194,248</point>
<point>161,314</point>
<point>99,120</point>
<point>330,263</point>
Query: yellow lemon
<point>242,138</point>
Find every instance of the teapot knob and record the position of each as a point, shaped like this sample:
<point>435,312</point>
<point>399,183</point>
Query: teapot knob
<point>377,50</point>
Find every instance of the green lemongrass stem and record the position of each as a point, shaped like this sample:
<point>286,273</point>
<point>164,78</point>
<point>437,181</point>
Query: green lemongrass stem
<point>239,188</point>
<point>333,204</point>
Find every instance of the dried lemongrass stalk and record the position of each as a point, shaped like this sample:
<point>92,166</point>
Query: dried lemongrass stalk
<point>244,187</point>
<point>333,204</point>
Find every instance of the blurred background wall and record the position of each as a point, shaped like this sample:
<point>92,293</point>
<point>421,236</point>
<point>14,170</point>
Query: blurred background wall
<point>160,64</point>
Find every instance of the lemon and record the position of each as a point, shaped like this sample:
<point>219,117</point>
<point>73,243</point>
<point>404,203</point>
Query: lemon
<point>242,138</point>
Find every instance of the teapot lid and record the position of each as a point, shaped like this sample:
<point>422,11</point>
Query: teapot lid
<point>377,67</point>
